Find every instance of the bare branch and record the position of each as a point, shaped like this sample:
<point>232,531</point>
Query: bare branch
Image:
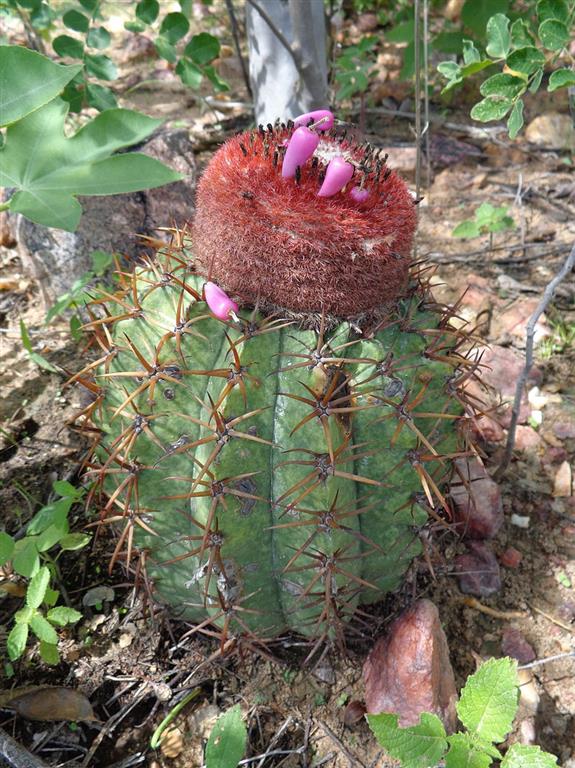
<point>234,23</point>
<point>530,337</point>
<point>15,755</point>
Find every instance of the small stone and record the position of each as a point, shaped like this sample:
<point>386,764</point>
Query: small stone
<point>511,558</point>
<point>511,324</point>
<point>564,430</point>
<point>353,712</point>
<point>563,483</point>
<point>515,645</point>
<point>553,130</point>
<point>520,521</point>
<point>409,671</point>
<point>488,429</point>
<point>172,743</point>
<point>478,509</point>
<point>478,570</point>
<point>526,438</point>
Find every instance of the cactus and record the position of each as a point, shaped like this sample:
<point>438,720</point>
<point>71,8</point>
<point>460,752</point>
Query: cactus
<point>277,394</point>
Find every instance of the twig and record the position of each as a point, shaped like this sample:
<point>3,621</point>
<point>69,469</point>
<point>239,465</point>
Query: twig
<point>539,662</point>
<point>426,91</point>
<point>530,337</point>
<point>15,755</point>
<point>237,44</point>
<point>552,619</point>
<point>353,760</point>
<point>277,736</point>
<point>280,36</point>
<point>472,602</point>
<point>416,35</point>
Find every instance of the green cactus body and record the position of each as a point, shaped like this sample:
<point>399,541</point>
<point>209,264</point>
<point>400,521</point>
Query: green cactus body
<point>275,477</point>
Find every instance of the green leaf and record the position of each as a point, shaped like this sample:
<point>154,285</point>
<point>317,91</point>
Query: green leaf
<point>418,746</point>
<point>98,37</point>
<point>452,72</point>
<point>503,85</point>
<point>522,756</point>
<point>219,85</point>
<point>448,42</point>
<point>561,78</point>
<point>489,700</point>
<point>174,27</point>
<point>7,545</point>
<point>227,742</point>
<point>526,60</point>
<point>49,653</point>
<point>50,537</point>
<point>16,641</point>
<point>74,541</point>
<point>29,80</point>
<point>491,108</point>
<point>49,169</point>
<point>64,45</point>
<point>470,52</point>
<point>43,629</point>
<point>536,81</point>
<point>147,11</point>
<point>515,119</point>
<point>203,48</point>
<point>476,13</point>
<point>498,36</point>
<point>37,588</point>
<point>24,615</point>
<point>51,597</point>
<point>89,5</point>
<point>26,342</point>
<point>101,66</point>
<point>165,50</point>
<point>77,21</point>
<point>64,488</point>
<point>190,74</point>
<point>552,9</point>
<point>554,34</point>
<point>467,229</point>
<point>101,261</point>
<point>401,33</point>
<point>520,34</point>
<point>100,97</point>
<point>61,616</point>
<point>135,26</point>
<point>463,753</point>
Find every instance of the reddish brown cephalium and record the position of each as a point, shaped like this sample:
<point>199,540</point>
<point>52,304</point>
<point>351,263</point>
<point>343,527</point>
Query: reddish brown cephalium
<point>272,240</point>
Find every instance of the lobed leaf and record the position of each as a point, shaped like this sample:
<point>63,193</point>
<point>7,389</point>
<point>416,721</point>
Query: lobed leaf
<point>523,756</point>
<point>489,700</point>
<point>418,746</point>
<point>464,753</point>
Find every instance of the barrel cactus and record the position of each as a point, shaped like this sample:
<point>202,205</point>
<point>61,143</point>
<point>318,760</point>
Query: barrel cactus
<point>277,394</point>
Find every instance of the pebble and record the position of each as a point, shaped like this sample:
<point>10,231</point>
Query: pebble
<point>478,570</point>
<point>478,509</point>
<point>409,671</point>
<point>511,558</point>
<point>515,645</point>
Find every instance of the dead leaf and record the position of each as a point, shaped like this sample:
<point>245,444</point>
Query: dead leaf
<point>172,743</point>
<point>13,588</point>
<point>50,703</point>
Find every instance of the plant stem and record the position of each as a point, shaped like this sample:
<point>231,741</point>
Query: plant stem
<point>4,206</point>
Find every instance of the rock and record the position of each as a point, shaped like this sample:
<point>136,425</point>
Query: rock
<point>564,429</point>
<point>526,438</point>
<point>478,570</point>
<point>137,48</point>
<point>408,671</point>
<point>553,130</point>
<point>511,558</point>
<point>353,713</point>
<point>501,367</point>
<point>510,324</point>
<point>563,483</point>
<point>487,429</point>
<point>515,645</point>
<point>55,258</point>
<point>477,505</point>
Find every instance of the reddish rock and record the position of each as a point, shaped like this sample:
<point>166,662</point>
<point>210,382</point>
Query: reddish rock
<point>511,558</point>
<point>526,438</point>
<point>408,671</point>
<point>502,366</point>
<point>515,645</point>
<point>488,429</point>
<point>478,570</point>
<point>511,323</point>
<point>564,430</point>
<point>477,505</point>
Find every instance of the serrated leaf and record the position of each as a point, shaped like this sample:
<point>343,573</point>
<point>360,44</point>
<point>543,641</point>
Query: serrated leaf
<point>463,753</point>
<point>65,45</point>
<point>203,48</point>
<point>526,60</point>
<point>48,169</point>
<point>174,26</point>
<point>98,37</point>
<point>7,545</point>
<point>49,653</point>
<point>418,746</point>
<point>498,36</point>
<point>29,80</point>
<point>147,11</point>
<point>101,66</point>
<point>63,616</point>
<point>43,629</point>
<point>467,229</point>
<point>16,641</point>
<point>561,78</point>
<point>77,21</point>
<point>503,85</point>
<point>227,742</point>
<point>37,588</point>
<point>523,756</point>
<point>554,34</point>
<point>552,9</point>
<point>489,700</point>
<point>491,108</point>
<point>515,119</point>
<point>74,541</point>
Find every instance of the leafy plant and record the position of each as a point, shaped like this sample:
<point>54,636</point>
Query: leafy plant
<point>31,557</point>
<point>227,743</point>
<point>488,219</point>
<point>522,49</point>
<point>44,168</point>
<point>195,61</point>
<point>486,708</point>
<point>354,68</point>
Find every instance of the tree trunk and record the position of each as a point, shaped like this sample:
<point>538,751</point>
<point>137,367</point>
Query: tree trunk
<point>288,71</point>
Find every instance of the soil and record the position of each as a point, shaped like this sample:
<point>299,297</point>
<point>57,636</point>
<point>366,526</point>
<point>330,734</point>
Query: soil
<point>134,666</point>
